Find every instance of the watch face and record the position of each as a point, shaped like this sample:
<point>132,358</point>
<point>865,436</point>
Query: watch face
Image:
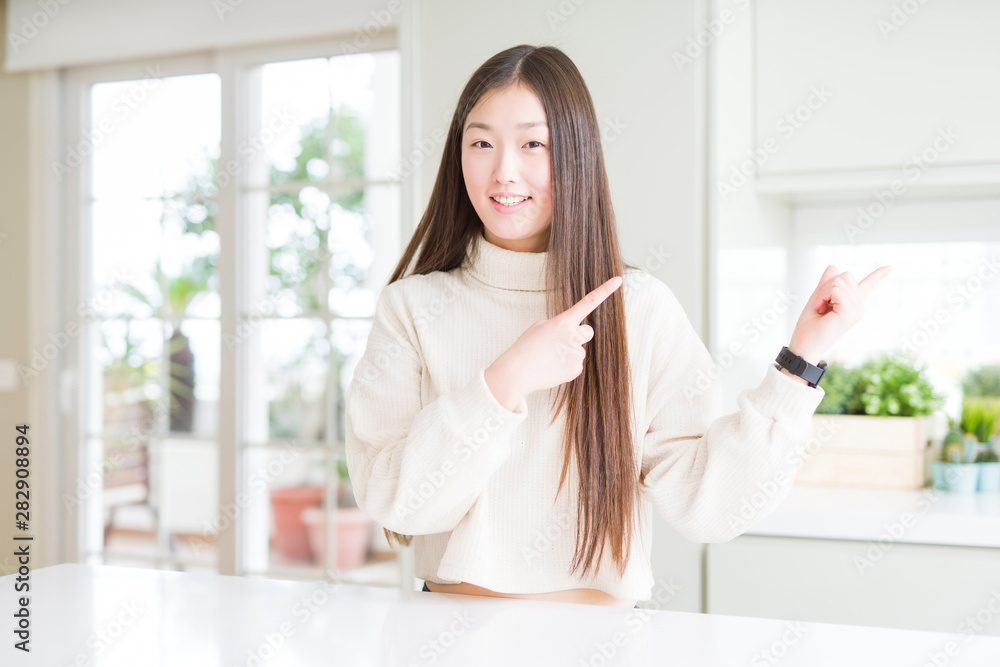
<point>812,374</point>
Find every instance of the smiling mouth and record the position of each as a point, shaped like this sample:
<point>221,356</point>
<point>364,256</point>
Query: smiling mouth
<point>510,201</point>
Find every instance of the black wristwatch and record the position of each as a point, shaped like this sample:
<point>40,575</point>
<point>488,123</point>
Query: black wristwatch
<point>796,365</point>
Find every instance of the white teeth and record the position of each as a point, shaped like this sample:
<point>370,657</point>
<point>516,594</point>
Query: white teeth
<point>509,201</point>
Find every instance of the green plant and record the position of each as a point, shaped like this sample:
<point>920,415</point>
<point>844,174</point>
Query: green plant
<point>954,453</point>
<point>342,470</point>
<point>980,417</point>
<point>887,386</point>
<point>987,456</point>
<point>982,381</point>
<point>345,496</point>
<point>892,386</point>
<point>960,447</point>
<point>312,240</point>
<point>130,372</point>
<point>841,396</point>
<point>191,213</point>
<point>313,243</point>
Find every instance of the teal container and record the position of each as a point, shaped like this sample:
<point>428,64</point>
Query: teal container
<point>938,480</point>
<point>961,477</point>
<point>989,477</point>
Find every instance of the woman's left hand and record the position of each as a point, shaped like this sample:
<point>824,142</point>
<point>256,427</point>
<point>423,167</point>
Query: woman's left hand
<point>835,306</point>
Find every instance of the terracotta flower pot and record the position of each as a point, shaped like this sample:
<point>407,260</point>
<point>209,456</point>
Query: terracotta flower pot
<point>353,535</point>
<point>290,535</point>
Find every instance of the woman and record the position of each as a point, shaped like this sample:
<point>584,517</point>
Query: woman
<point>504,419</point>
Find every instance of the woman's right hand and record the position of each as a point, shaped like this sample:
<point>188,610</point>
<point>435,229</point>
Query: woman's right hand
<point>549,352</point>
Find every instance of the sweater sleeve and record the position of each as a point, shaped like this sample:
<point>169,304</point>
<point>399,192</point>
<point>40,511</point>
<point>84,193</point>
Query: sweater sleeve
<point>417,469</point>
<point>709,475</point>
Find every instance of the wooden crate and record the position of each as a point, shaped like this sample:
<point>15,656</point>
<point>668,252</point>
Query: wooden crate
<point>871,452</point>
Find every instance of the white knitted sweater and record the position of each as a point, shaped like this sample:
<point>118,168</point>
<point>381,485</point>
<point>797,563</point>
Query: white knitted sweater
<point>433,454</point>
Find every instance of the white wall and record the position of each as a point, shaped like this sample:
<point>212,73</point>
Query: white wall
<point>625,52</point>
<point>754,308</point>
<point>14,297</point>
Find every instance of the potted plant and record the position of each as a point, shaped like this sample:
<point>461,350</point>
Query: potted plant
<point>875,425</point>
<point>955,436</point>
<point>958,471</point>
<point>893,386</point>
<point>195,277</point>
<point>353,526</point>
<point>989,470</point>
<point>840,394</point>
<point>980,417</point>
<point>291,537</point>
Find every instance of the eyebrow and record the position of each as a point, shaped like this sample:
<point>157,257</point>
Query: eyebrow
<point>484,126</point>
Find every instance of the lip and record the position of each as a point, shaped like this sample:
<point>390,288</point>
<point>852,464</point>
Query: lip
<point>507,194</point>
<point>500,208</point>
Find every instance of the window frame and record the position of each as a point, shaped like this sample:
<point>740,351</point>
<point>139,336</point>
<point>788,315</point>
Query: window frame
<point>240,118</point>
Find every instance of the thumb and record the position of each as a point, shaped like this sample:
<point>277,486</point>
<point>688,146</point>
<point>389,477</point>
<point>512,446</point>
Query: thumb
<point>818,301</point>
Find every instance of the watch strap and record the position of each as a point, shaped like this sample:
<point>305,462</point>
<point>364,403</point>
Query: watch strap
<point>796,365</point>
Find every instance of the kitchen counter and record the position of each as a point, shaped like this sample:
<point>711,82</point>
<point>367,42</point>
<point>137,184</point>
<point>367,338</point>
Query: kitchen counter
<point>918,516</point>
<point>102,615</point>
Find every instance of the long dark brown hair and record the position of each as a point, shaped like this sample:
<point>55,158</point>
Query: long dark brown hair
<point>583,253</point>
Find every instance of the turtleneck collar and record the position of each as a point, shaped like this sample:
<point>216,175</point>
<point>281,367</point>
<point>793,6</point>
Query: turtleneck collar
<point>506,269</point>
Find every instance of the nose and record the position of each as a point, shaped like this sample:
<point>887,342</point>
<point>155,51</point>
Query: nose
<point>505,169</point>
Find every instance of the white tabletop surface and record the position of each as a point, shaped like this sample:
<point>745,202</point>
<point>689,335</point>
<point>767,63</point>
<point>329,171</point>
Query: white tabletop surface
<point>102,615</point>
<point>935,517</point>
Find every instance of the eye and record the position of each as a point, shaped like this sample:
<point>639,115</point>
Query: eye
<point>536,142</point>
<point>481,142</point>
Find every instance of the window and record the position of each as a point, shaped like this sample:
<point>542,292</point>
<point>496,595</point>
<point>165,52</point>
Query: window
<point>152,350</point>
<point>239,214</point>
<point>318,191</point>
<point>945,254</point>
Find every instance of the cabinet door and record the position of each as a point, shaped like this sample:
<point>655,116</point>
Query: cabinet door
<point>857,84</point>
<point>892,585</point>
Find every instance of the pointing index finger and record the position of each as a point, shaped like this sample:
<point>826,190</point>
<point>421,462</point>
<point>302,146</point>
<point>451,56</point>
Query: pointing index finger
<point>869,282</point>
<point>592,300</point>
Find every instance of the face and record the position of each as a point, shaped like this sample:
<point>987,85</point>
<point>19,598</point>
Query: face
<point>505,155</point>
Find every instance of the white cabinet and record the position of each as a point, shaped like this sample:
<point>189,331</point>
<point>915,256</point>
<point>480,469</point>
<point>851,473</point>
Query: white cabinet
<point>895,585</point>
<point>887,86</point>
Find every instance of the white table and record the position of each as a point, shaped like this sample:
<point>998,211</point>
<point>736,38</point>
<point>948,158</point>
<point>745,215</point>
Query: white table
<point>149,618</point>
